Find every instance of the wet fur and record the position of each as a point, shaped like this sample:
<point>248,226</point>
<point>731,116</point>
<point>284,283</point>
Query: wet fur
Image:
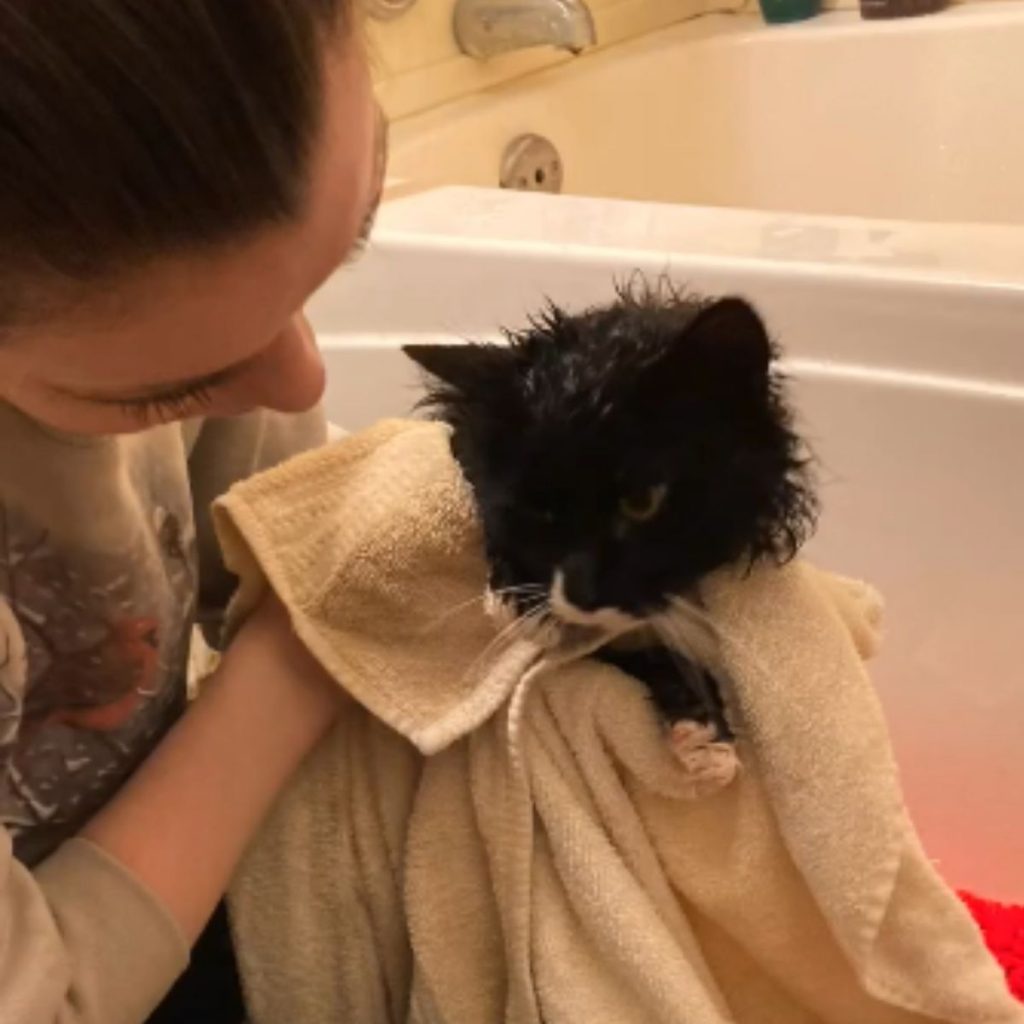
<point>579,417</point>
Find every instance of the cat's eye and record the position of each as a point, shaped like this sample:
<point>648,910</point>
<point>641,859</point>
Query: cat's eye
<point>644,505</point>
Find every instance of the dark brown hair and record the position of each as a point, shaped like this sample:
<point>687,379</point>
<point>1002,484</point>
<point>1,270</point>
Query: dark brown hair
<point>136,128</point>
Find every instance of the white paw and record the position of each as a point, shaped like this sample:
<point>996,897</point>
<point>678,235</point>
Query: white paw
<point>709,763</point>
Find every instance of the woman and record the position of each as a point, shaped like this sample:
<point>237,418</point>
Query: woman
<point>176,178</point>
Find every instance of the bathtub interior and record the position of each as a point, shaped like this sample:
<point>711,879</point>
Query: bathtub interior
<point>910,384</point>
<point>832,116</point>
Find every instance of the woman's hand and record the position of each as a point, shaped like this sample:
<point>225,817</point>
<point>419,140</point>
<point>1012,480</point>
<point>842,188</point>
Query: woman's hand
<point>266,640</point>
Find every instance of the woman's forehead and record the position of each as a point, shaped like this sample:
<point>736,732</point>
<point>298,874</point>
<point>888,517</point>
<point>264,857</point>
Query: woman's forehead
<point>191,316</point>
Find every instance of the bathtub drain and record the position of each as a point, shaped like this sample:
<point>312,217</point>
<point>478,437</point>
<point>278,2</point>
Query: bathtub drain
<point>531,163</point>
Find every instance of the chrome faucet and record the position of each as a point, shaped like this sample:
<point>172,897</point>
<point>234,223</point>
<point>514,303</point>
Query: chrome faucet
<point>486,28</point>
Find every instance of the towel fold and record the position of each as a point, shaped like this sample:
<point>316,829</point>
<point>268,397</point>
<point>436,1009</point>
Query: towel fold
<point>500,832</point>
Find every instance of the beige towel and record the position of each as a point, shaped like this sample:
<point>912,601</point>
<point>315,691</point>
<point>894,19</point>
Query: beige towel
<point>493,834</point>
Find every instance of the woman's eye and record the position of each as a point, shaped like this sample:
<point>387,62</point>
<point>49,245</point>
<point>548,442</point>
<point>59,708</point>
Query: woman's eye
<point>169,407</point>
<point>643,506</point>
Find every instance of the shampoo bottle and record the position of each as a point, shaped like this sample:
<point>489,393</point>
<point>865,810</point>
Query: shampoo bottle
<point>777,12</point>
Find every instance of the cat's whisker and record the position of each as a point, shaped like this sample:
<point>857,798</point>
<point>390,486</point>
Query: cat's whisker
<point>689,607</point>
<point>532,616</point>
<point>504,603</point>
<point>534,621</point>
<point>509,634</point>
<point>688,669</point>
<point>529,590</point>
<point>687,630</point>
<point>691,640</point>
<point>677,638</point>
<point>450,613</point>
<point>694,669</point>
<point>685,609</point>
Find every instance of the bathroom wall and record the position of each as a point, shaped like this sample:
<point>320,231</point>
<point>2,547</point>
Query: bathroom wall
<point>843,5</point>
<point>418,64</point>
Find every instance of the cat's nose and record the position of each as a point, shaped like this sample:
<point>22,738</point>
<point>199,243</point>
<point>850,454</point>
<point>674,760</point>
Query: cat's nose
<point>579,580</point>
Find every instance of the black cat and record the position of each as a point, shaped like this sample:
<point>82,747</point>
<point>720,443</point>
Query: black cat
<point>617,457</point>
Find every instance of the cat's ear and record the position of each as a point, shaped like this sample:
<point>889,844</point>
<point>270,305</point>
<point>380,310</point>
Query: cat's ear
<point>463,368</point>
<point>732,341</point>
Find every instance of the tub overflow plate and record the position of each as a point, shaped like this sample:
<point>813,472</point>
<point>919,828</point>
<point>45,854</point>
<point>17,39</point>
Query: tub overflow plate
<point>531,163</point>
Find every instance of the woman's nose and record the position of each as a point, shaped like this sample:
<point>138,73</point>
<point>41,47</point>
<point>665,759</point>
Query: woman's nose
<point>288,376</point>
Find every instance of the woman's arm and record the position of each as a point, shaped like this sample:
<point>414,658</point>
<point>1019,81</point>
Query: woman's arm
<point>181,824</point>
<point>97,933</point>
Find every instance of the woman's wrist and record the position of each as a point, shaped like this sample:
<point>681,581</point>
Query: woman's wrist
<point>273,666</point>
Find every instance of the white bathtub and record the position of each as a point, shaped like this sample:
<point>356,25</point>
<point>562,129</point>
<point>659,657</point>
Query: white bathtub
<point>914,119</point>
<point>907,344</point>
<point>903,319</point>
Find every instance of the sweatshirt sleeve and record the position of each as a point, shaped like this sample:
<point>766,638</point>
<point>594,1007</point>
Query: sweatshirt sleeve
<point>82,941</point>
<point>225,452</point>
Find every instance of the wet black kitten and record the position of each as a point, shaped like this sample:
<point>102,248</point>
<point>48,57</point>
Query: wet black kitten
<point>620,455</point>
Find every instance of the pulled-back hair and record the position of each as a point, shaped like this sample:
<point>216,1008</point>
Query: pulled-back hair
<point>131,129</point>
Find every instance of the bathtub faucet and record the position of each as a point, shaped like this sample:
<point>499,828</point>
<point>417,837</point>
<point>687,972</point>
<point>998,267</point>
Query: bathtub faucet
<point>486,28</point>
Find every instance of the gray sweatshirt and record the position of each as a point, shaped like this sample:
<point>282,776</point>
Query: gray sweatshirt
<point>107,558</point>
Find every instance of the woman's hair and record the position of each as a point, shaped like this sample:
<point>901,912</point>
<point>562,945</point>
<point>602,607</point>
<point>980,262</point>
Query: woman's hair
<point>137,128</point>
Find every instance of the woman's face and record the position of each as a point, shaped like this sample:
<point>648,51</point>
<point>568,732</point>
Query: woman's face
<point>212,335</point>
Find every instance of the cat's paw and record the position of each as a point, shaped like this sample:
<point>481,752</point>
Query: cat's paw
<point>710,763</point>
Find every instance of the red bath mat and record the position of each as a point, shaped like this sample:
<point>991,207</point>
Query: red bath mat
<point>1003,928</point>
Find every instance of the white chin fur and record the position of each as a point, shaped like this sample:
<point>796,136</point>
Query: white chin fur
<point>564,624</point>
<point>610,619</point>
<point>683,626</point>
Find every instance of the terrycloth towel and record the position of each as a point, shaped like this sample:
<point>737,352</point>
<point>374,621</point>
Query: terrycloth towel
<point>495,833</point>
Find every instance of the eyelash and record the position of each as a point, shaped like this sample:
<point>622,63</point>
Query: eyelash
<point>355,254</point>
<point>170,406</point>
<point>362,241</point>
